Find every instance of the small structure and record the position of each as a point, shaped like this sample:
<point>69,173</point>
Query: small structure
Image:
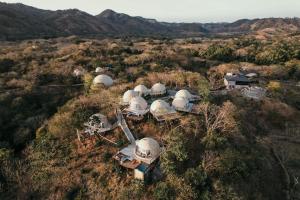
<point>147,150</point>
<point>162,111</point>
<point>78,72</point>
<point>138,107</point>
<point>158,89</point>
<point>142,90</point>
<point>254,92</point>
<point>187,95</point>
<point>99,70</point>
<point>142,157</point>
<point>103,80</point>
<point>251,75</point>
<point>97,123</point>
<point>183,105</point>
<point>236,81</point>
<point>128,95</point>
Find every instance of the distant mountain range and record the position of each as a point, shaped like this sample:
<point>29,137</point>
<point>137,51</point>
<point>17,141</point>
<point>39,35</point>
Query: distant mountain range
<point>18,21</point>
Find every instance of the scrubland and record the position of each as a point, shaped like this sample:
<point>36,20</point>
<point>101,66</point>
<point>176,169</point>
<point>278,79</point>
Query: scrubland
<point>236,148</point>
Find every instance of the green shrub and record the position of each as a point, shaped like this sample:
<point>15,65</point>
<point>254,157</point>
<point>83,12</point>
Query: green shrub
<point>120,143</point>
<point>106,156</point>
<point>95,174</point>
<point>274,86</point>
<point>214,142</point>
<point>293,68</point>
<point>204,88</point>
<point>103,181</point>
<point>87,81</point>
<point>219,52</point>
<point>176,152</point>
<point>135,190</point>
<point>75,193</point>
<point>279,53</point>
<point>47,147</point>
<point>6,64</point>
<point>233,166</point>
<point>116,168</point>
<point>86,170</point>
<point>197,178</point>
<point>163,191</point>
<point>99,143</point>
<point>5,154</point>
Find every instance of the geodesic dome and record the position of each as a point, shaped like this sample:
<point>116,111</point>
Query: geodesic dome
<point>97,119</point>
<point>160,107</point>
<point>138,105</point>
<point>158,89</point>
<point>142,90</point>
<point>103,80</point>
<point>181,103</point>
<point>99,69</point>
<point>183,94</point>
<point>147,148</point>
<point>128,95</point>
<point>97,123</point>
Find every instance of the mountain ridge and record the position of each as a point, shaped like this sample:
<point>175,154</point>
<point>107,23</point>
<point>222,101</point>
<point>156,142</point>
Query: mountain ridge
<point>19,21</point>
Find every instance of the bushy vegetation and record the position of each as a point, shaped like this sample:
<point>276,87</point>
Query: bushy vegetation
<point>225,152</point>
<point>219,52</point>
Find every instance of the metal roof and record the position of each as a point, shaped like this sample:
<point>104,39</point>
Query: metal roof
<point>237,78</point>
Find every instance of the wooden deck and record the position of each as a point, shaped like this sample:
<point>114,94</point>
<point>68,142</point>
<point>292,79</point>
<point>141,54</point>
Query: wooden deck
<point>126,162</point>
<point>167,117</point>
<point>134,117</point>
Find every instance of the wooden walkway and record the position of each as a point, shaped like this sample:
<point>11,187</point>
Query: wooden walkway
<point>122,123</point>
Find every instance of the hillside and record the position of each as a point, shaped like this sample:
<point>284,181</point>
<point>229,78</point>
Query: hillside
<point>246,25</point>
<point>94,114</point>
<point>18,21</point>
<point>234,147</point>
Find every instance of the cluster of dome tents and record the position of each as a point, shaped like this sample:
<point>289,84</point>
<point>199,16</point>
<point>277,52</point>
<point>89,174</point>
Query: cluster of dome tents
<point>138,106</point>
<point>141,155</point>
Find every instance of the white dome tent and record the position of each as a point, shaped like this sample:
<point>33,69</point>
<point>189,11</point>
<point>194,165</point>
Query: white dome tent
<point>187,95</point>
<point>147,150</point>
<point>137,106</point>
<point>182,104</point>
<point>99,70</point>
<point>183,94</point>
<point>142,157</point>
<point>128,95</point>
<point>142,90</point>
<point>160,107</point>
<point>97,123</point>
<point>158,89</point>
<point>162,111</point>
<point>103,80</point>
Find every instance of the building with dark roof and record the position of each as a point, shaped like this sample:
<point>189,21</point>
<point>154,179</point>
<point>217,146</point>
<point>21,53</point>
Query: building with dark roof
<point>236,81</point>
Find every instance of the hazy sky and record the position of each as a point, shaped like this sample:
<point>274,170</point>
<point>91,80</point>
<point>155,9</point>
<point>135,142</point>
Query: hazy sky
<point>180,10</point>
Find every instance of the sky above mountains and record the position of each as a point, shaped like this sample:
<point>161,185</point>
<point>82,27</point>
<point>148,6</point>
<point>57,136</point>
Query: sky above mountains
<point>178,10</point>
